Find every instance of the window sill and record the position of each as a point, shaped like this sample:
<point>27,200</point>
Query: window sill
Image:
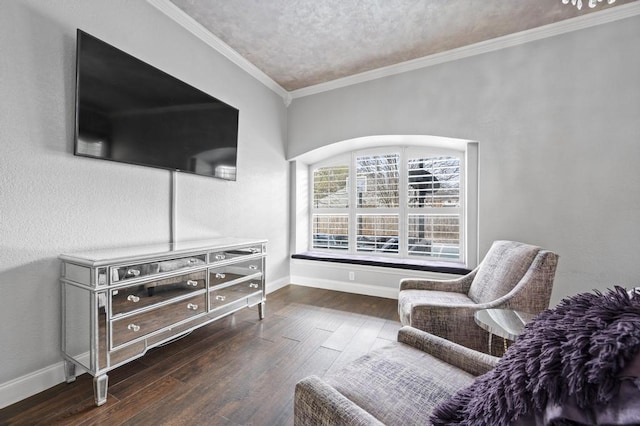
<point>411,264</point>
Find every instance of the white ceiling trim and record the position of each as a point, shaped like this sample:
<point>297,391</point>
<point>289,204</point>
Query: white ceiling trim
<point>179,16</point>
<point>585,21</point>
<point>592,19</point>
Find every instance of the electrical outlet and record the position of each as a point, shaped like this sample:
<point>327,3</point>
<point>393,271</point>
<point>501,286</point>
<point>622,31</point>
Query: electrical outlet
<point>352,275</point>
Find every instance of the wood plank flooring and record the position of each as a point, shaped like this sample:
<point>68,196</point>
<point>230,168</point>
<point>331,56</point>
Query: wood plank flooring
<point>236,371</point>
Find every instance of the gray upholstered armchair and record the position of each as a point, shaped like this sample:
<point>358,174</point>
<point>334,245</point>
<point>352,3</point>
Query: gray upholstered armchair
<point>398,384</point>
<point>512,276</point>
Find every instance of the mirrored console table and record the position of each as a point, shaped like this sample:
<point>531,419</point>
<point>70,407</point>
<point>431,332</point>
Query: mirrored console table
<point>119,303</point>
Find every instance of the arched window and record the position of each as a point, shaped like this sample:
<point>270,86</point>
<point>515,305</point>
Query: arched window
<point>396,201</point>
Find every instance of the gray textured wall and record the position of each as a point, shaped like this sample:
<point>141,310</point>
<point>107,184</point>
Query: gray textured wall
<point>558,130</point>
<point>53,202</point>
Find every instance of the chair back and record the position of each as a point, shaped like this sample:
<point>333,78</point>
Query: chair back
<point>501,270</point>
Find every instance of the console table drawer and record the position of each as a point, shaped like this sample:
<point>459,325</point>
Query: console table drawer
<point>223,296</point>
<point>227,273</point>
<point>139,296</point>
<point>130,328</point>
<point>231,254</point>
<point>127,272</point>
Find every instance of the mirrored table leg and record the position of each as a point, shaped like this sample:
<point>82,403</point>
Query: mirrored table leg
<point>261,310</point>
<point>100,384</point>
<point>69,371</point>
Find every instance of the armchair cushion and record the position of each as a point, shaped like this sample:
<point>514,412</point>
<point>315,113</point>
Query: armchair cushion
<point>576,363</point>
<point>408,300</point>
<point>456,285</point>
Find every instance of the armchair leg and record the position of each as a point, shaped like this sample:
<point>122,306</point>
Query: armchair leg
<point>490,343</point>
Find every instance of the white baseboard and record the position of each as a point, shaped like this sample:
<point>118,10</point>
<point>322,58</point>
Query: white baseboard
<point>30,384</point>
<point>277,285</point>
<point>347,287</point>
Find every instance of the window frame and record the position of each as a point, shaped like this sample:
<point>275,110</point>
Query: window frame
<point>403,210</point>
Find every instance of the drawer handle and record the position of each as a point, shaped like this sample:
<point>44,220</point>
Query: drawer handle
<point>192,283</point>
<point>134,272</point>
<point>254,250</point>
<point>220,257</point>
<point>192,306</point>
<point>254,267</point>
<point>133,298</point>
<point>133,327</point>
<point>254,285</point>
<point>192,260</point>
<point>220,298</point>
<point>219,275</point>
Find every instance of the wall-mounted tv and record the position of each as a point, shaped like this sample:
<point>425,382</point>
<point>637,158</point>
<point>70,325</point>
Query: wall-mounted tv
<point>131,112</point>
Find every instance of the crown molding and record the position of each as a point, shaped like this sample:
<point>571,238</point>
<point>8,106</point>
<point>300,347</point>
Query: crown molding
<point>190,24</point>
<point>574,24</point>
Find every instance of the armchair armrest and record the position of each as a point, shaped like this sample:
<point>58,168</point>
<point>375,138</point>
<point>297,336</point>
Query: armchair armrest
<point>473,362</point>
<point>318,403</point>
<point>457,285</point>
<point>453,322</point>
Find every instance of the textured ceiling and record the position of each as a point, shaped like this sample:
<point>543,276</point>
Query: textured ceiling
<point>300,43</point>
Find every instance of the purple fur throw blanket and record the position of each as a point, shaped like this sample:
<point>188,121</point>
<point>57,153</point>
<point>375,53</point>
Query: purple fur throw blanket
<point>570,355</point>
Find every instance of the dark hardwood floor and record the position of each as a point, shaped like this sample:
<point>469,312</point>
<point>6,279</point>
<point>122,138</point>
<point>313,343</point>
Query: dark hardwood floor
<point>236,371</point>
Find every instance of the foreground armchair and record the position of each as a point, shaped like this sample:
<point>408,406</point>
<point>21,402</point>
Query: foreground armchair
<point>512,275</point>
<point>578,363</point>
<point>399,384</point>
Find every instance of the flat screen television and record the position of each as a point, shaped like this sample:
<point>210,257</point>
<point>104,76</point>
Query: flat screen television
<point>131,112</point>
